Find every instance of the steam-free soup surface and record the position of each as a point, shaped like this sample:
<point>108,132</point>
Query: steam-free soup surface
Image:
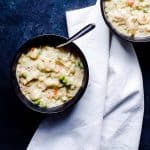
<point>49,77</point>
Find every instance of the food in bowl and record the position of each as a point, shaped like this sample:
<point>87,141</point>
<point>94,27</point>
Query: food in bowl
<point>129,17</point>
<point>49,77</point>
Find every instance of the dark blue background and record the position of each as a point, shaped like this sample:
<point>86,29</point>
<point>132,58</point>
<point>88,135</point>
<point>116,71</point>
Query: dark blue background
<point>19,21</point>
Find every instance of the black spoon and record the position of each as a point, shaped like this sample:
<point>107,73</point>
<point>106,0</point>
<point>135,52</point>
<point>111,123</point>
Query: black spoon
<point>79,34</point>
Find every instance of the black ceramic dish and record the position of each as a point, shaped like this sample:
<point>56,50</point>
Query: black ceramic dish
<point>114,30</point>
<point>51,40</point>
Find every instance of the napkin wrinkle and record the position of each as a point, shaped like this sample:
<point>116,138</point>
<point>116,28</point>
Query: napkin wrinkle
<point>115,146</point>
<point>122,101</point>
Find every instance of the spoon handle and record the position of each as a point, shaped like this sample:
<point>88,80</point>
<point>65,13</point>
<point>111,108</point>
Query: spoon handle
<point>80,33</point>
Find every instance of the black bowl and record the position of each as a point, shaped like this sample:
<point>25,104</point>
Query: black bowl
<point>115,31</point>
<point>51,40</point>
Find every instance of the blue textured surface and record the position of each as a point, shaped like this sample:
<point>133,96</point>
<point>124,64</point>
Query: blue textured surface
<point>19,21</point>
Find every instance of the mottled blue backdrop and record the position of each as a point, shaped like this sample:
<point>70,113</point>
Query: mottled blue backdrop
<point>19,21</point>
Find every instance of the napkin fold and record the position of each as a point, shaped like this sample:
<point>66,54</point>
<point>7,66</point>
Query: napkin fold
<point>110,112</point>
<point>124,104</point>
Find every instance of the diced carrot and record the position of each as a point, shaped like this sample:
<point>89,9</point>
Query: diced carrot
<point>53,93</point>
<point>55,90</point>
<point>130,2</point>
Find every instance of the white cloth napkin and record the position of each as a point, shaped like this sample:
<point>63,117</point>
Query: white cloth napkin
<point>109,115</point>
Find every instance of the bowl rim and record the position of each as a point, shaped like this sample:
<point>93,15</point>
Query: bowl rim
<point>116,32</point>
<point>21,96</point>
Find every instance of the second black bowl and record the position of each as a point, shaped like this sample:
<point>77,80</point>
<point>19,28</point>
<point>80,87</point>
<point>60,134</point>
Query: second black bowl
<point>115,31</point>
<point>50,40</point>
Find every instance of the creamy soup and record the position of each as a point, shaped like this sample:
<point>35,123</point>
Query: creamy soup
<point>130,17</point>
<point>49,77</point>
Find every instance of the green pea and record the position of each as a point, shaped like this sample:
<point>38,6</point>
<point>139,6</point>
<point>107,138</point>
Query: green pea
<point>79,64</point>
<point>36,101</point>
<point>24,75</point>
<point>61,78</point>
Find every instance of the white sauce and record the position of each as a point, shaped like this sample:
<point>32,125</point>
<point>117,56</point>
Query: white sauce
<point>49,77</point>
